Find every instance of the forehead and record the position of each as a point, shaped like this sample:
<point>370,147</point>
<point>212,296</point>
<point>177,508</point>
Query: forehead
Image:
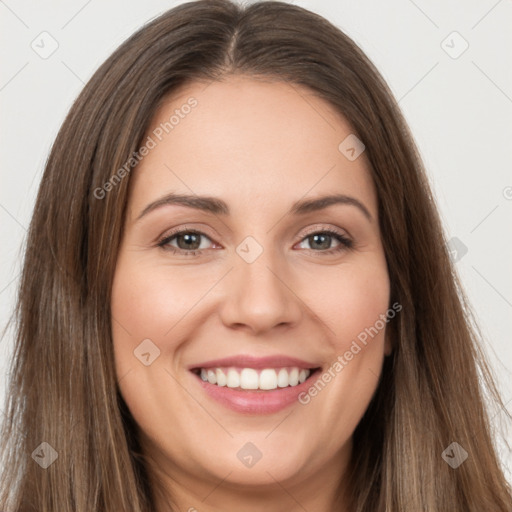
<point>255,143</point>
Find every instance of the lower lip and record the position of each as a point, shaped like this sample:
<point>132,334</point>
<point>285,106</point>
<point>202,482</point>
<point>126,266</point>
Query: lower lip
<point>255,402</point>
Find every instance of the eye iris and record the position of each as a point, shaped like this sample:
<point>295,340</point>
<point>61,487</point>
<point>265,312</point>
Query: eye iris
<point>189,237</point>
<point>324,245</point>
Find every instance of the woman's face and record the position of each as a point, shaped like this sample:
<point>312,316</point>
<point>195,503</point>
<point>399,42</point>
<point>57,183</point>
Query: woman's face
<point>254,277</point>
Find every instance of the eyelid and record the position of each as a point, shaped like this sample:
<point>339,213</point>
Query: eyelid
<point>324,227</point>
<point>185,229</point>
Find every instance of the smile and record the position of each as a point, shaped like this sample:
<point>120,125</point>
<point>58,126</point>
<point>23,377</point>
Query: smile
<point>255,385</point>
<point>251,378</point>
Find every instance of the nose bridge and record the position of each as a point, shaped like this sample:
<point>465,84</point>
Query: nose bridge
<point>258,295</point>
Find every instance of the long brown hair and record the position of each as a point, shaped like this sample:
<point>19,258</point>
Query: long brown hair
<point>63,389</point>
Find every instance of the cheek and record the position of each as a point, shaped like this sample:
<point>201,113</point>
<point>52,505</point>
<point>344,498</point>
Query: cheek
<point>144,307</point>
<point>352,300</point>
<point>158,303</point>
<point>353,303</point>
<point>148,301</point>
<point>146,304</point>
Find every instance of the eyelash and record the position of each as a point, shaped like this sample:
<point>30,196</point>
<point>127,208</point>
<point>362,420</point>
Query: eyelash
<point>345,243</point>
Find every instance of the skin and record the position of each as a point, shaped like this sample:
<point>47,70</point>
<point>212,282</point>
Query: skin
<point>260,146</point>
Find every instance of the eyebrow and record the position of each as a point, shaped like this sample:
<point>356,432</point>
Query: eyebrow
<point>219,207</point>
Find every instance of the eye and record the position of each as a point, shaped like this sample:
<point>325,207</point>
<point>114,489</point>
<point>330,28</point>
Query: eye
<point>322,240</point>
<point>188,242</point>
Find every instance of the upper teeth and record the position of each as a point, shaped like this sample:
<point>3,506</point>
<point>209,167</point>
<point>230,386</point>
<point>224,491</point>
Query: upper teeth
<point>249,378</point>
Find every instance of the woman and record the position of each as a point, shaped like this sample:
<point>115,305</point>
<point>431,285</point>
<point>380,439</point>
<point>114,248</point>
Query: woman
<point>184,343</point>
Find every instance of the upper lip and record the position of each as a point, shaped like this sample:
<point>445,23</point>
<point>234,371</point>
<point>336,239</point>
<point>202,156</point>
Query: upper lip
<point>248,361</point>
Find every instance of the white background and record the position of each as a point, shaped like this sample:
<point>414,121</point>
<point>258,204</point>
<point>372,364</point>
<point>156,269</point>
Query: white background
<point>459,110</point>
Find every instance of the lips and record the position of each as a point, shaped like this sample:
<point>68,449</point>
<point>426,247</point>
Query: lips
<point>265,394</point>
<point>247,361</point>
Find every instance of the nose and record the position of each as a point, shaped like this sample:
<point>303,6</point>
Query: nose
<point>260,296</point>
